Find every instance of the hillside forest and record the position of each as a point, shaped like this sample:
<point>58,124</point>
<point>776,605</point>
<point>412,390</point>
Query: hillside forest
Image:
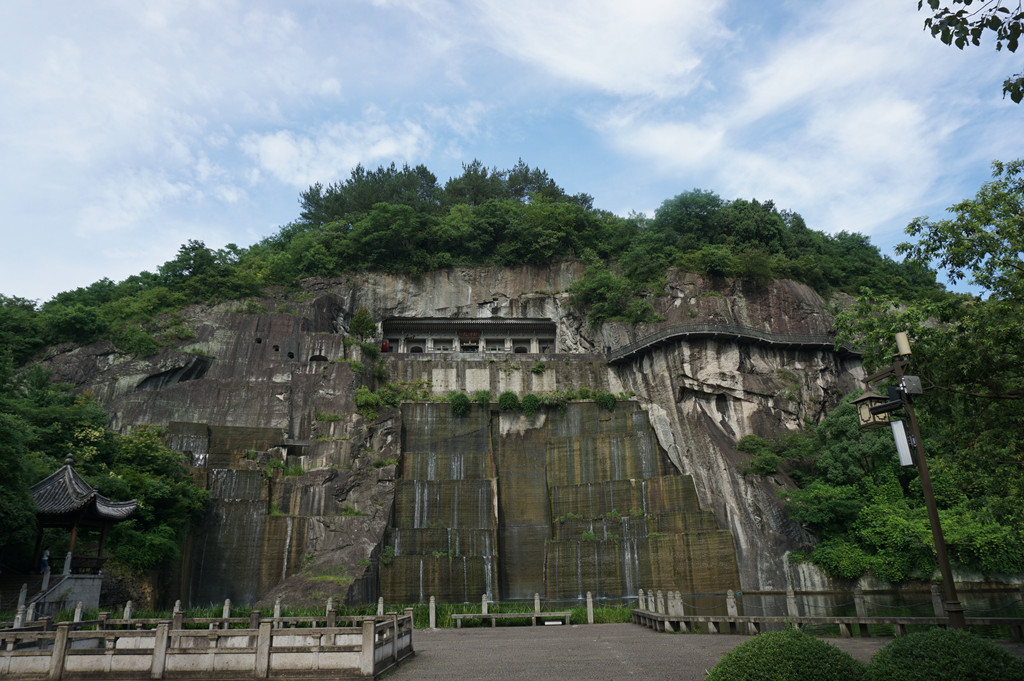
<point>849,489</point>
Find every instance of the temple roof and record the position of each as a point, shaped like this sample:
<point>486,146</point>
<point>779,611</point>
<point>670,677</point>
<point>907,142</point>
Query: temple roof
<point>65,492</point>
<point>494,325</point>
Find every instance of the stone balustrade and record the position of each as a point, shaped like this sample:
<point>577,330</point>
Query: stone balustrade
<point>209,648</point>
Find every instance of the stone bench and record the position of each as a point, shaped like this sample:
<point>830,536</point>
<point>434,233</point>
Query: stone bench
<point>495,616</point>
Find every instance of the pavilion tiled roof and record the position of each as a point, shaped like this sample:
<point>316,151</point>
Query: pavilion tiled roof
<point>65,492</point>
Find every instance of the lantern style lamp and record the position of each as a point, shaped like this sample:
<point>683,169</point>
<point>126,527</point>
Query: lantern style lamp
<point>864,403</point>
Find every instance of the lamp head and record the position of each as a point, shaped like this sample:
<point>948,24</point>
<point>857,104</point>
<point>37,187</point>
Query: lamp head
<point>902,344</point>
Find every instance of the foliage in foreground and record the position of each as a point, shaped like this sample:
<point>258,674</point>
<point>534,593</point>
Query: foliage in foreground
<point>867,511</point>
<point>789,655</point>
<point>944,655</point>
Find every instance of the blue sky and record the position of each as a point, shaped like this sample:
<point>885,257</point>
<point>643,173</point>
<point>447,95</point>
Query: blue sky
<point>129,127</point>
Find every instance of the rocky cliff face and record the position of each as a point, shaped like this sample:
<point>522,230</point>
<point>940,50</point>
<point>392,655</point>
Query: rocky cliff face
<point>255,395</point>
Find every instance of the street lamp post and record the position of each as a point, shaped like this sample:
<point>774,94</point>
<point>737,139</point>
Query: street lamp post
<point>870,410</point>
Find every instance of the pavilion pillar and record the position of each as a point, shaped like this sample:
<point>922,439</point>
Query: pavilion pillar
<point>103,536</point>
<point>74,536</point>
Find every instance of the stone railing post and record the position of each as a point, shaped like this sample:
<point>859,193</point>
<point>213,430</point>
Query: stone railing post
<point>791,608</point>
<point>679,600</point>
<point>380,606</point>
<point>937,601</point>
<point>60,644</point>
<point>67,564</point>
<point>394,636</point>
<point>46,580</point>
<point>660,602</point>
<point>19,617</point>
<point>277,613</point>
<point>22,595</point>
<point>156,668</point>
<point>226,613</point>
<point>262,662</point>
<point>366,652</point>
<point>862,610</point>
<point>858,602</point>
<point>730,603</point>
<point>254,619</point>
<point>78,611</point>
<point>641,602</point>
<point>127,614</point>
<point>651,605</point>
<point>536,602</point>
<point>177,624</point>
<point>590,608</point>
<point>30,614</point>
<point>483,604</point>
<point>433,613</point>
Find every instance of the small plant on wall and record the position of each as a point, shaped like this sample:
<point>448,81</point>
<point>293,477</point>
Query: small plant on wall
<point>460,403</point>
<point>508,401</point>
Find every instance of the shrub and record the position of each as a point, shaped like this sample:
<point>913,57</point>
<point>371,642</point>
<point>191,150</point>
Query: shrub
<point>368,403</point>
<point>606,400</point>
<point>789,655</point>
<point>939,654</point>
<point>538,368</point>
<point>530,405</point>
<point>460,403</point>
<point>482,397</point>
<point>508,401</point>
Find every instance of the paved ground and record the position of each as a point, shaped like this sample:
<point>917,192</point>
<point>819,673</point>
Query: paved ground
<point>560,653</point>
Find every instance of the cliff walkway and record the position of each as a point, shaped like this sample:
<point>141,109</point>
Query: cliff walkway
<point>740,334</point>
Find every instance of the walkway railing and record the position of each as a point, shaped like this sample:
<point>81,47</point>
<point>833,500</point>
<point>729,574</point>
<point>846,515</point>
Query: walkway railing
<point>208,648</point>
<point>737,333</point>
<point>671,611</point>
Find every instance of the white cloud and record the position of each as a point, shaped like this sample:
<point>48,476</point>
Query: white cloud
<point>644,47</point>
<point>301,160</point>
<point>129,202</point>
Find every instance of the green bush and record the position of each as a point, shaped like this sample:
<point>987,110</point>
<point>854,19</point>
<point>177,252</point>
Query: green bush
<point>368,403</point>
<point>460,403</point>
<point>605,400</point>
<point>789,655</point>
<point>939,654</point>
<point>482,397</point>
<point>530,405</point>
<point>508,401</point>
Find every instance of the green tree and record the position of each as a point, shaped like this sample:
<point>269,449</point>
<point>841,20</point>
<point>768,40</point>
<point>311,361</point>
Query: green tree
<point>362,324</point>
<point>41,422</point>
<point>966,26</point>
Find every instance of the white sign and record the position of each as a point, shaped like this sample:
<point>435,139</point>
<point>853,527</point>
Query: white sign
<point>899,434</point>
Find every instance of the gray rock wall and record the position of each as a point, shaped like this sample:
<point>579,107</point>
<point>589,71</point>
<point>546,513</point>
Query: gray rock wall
<point>251,388</point>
